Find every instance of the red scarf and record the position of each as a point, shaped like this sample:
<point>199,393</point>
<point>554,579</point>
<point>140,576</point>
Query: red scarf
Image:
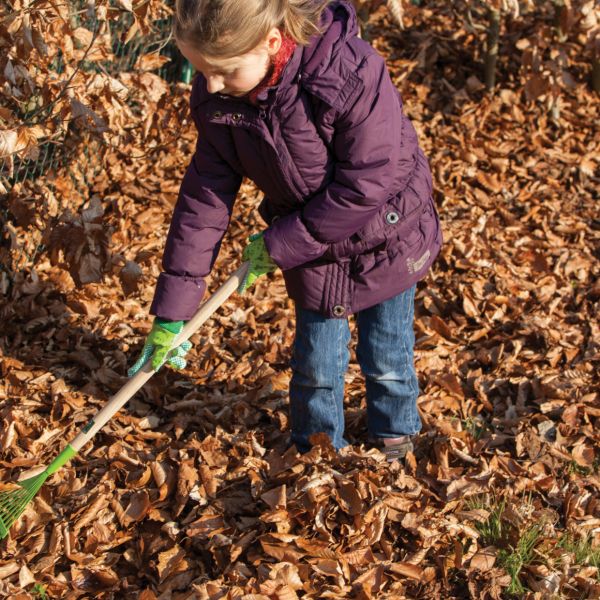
<point>278,62</point>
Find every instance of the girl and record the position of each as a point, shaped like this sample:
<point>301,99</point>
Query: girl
<point>288,95</point>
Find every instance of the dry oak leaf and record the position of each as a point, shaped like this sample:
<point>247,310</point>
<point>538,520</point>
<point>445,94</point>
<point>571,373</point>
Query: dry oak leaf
<point>406,569</point>
<point>484,559</point>
<point>169,560</point>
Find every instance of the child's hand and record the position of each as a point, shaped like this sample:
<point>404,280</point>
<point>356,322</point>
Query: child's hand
<point>260,261</point>
<point>158,344</point>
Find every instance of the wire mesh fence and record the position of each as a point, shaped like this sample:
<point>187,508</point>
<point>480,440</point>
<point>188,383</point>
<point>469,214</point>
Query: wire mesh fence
<point>62,154</point>
<point>55,153</point>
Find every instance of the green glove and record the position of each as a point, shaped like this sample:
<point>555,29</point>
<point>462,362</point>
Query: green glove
<point>158,343</point>
<point>260,261</point>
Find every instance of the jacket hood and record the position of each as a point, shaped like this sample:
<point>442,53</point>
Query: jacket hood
<point>338,24</point>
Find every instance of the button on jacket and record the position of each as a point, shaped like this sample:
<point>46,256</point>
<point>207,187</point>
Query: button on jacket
<point>347,188</point>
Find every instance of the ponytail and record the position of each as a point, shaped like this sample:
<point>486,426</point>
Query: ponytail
<point>301,19</point>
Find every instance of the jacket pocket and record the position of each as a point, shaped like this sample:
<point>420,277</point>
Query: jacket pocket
<point>404,255</point>
<point>394,220</point>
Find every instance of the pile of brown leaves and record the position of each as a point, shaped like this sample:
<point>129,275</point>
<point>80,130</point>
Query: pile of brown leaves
<point>190,492</point>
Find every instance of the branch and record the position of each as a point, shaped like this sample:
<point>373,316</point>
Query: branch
<point>29,121</point>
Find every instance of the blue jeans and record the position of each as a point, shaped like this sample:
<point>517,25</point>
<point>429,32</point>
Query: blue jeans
<point>385,354</point>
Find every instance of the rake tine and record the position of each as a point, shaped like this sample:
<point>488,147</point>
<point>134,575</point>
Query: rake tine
<point>9,518</point>
<point>12,514</point>
<point>14,503</point>
<point>10,504</point>
<point>11,507</point>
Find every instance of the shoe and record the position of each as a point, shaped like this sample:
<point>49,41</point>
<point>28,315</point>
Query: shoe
<point>394,448</point>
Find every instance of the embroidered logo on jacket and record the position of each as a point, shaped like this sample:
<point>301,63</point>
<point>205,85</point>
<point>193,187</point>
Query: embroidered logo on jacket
<point>416,265</point>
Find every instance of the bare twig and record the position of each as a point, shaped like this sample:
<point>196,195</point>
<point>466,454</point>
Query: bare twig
<point>63,91</point>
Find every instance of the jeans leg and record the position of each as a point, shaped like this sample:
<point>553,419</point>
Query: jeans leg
<point>319,362</point>
<point>385,353</point>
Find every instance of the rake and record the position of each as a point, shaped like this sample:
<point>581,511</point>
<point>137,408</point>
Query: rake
<point>15,497</point>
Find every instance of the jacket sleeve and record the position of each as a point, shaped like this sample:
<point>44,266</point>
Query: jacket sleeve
<point>371,157</point>
<point>200,219</point>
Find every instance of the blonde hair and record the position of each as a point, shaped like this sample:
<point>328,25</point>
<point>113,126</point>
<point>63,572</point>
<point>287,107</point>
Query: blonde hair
<point>226,28</point>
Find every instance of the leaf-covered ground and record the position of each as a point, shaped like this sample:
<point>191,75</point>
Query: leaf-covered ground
<point>190,493</point>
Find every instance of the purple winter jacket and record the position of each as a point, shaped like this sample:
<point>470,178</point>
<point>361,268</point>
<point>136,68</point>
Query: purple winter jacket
<point>347,189</point>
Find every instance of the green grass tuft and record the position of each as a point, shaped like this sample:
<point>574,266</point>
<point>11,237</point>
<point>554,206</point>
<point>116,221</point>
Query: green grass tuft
<point>573,468</point>
<point>496,531</point>
<point>39,591</point>
<point>582,549</point>
<point>516,557</point>
<point>492,529</point>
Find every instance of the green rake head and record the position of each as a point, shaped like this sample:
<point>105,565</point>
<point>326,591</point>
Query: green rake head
<point>14,501</point>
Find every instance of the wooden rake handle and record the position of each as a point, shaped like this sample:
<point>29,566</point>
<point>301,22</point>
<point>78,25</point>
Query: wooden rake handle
<point>145,373</point>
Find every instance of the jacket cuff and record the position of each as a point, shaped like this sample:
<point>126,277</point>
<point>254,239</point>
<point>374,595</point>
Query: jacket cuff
<point>171,326</point>
<point>290,244</point>
<point>177,298</point>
